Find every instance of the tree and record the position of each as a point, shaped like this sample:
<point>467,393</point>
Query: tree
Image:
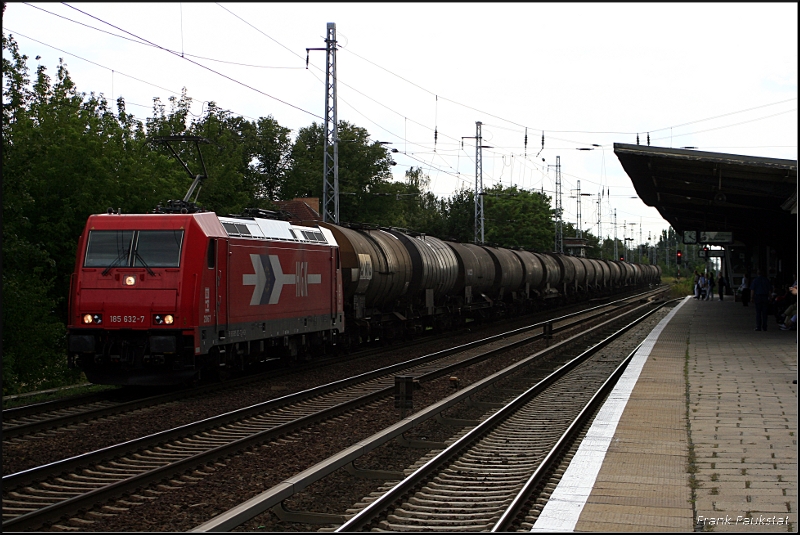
<point>28,273</point>
<point>364,171</point>
<point>518,218</point>
<point>271,150</point>
<point>417,208</point>
<point>458,211</point>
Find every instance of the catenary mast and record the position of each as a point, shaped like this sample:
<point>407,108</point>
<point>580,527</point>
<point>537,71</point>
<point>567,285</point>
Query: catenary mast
<point>330,181</point>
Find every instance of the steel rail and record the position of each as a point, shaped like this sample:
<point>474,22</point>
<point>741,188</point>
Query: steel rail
<point>63,420</point>
<point>274,497</point>
<point>369,514</point>
<point>57,510</point>
<point>562,445</point>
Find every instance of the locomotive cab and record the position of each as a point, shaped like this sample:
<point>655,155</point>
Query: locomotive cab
<point>156,299</point>
<point>127,324</point>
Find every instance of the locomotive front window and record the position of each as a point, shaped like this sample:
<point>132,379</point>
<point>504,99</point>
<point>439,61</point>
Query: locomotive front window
<point>108,248</point>
<point>134,248</point>
<point>158,248</point>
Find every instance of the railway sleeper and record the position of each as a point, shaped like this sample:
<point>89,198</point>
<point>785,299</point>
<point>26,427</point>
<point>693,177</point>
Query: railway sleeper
<point>48,500</point>
<point>436,503</point>
<point>93,480</point>
<point>81,485</point>
<point>100,515</point>
<point>387,526</point>
<point>407,524</point>
<point>54,493</point>
<point>433,514</point>
<point>62,527</point>
<point>455,498</point>
<point>500,491</point>
<point>435,508</point>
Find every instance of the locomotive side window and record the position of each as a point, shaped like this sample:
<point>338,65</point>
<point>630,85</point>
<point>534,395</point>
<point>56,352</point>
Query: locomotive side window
<point>108,247</point>
<point>211,254</point>
<point>158,248</point>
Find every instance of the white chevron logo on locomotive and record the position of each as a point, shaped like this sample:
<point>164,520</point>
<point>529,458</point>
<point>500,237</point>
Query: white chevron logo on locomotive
<point>269,279</point>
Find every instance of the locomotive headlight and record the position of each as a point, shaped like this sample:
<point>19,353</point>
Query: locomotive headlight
<point>163,319</point>
<point>92,318</point>
<point>130,280</point>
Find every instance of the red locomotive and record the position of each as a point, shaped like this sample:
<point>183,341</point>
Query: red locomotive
<point>157,298</point>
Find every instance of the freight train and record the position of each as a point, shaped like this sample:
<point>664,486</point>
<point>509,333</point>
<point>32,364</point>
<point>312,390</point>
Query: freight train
<point>163,298</point>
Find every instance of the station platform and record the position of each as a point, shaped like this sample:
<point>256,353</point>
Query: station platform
<point>699,435</point>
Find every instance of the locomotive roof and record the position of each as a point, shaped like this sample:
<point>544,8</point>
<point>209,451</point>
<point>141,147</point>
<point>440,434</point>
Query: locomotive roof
<point>271,229</point>
<point>218,226</point>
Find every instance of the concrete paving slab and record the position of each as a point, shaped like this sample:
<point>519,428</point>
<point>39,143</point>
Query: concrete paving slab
<point>709,429</point>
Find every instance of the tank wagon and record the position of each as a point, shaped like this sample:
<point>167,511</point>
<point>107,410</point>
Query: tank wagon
<point>160,299</point>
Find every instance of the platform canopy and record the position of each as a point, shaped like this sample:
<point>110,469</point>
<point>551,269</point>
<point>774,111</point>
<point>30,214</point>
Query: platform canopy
<point>754,198</point>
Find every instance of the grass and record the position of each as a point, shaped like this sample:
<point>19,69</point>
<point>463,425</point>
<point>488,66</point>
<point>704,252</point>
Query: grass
<point>40,397</point>
<point>680,287</point>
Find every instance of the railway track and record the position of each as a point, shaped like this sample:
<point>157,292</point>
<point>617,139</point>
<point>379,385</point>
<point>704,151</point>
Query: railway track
<point>32,419</point>
<point>507,382</point>
<point>488,479</point>
<point>52,416</point>
<point>34,497</point>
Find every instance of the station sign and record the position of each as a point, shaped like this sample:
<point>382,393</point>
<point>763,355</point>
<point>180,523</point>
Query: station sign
<point>719,253</point>
<point>691,237</point>
<point>720,238</point>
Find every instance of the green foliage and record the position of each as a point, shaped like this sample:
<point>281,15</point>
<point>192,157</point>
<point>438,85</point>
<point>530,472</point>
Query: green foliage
<point>518,218</point>
<point>271,148</point>
<point>415,208</point>
<point>458,212</point>
<point>27,268</point>
<point>33,337</point>
<point>366,193</point>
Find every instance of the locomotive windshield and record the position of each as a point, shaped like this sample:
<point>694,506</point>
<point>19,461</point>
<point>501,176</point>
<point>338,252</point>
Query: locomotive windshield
<point>134,248</point>
<point>158,248</point>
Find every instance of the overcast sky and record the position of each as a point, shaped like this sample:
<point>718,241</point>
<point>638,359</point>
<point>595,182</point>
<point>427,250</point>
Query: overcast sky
<point>718,77</point>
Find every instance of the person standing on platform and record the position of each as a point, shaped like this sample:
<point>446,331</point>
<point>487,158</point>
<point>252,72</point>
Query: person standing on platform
<point>761,287</point>
<point>701,286</point>
<point>710,292</point>
<point>790,314</point>
<point>696,285</point>
<point>722,283</point>
<point>745,288</point>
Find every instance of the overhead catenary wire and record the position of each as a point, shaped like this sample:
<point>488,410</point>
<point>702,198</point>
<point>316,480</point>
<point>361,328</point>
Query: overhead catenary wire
<point>394,74</point>
<point>13,32</point>
<point>435,129</point>
<point>200,65</point>
<point>440,147</point>
<point>565,131</point>
<point>182,53</point>
<point>114,71</point>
